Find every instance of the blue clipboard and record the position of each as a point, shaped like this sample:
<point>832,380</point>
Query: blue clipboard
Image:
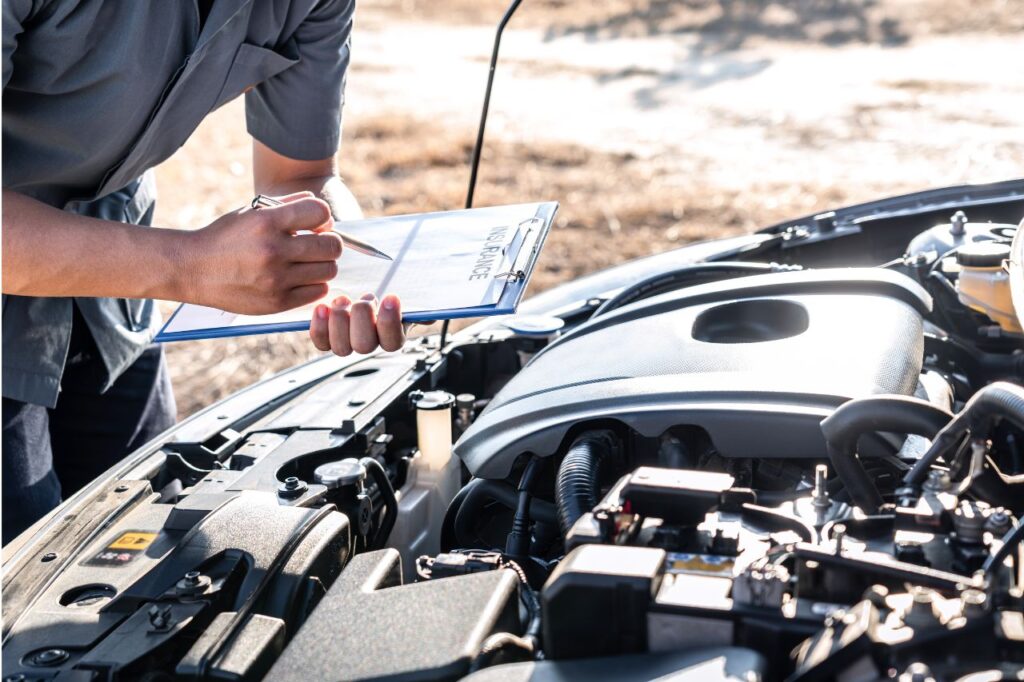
<point>516,281</point>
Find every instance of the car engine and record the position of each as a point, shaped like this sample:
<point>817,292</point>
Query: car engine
<point>797,455</point>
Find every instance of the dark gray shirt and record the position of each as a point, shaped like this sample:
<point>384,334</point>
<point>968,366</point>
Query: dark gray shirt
<point>97,92</point>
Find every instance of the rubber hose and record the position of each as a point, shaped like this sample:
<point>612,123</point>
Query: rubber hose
<point>898,414</point>
<point>448,523</point>
<point>1001,399</point>
<point>576,487</point>
<point>700,273</point>
<point>481,491</point>
<point>387,491</point>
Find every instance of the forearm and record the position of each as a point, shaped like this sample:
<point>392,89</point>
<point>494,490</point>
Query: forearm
<point>277,175</point>
<point>49,252</point>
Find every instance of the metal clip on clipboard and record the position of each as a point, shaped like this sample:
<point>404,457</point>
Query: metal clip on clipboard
<point>517,272</point>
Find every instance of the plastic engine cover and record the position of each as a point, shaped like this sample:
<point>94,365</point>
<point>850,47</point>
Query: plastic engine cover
<point>757,362</point>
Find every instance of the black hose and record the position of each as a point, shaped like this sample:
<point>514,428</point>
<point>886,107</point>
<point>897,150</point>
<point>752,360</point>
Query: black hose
<point>387,491</point>
<point>518,542</point>
<point>999,400</point>
<point>478,493</point>
<point>898,414</point>
<point>1010,542</point>
<point>576,487</point>
<point>683,277</point>
<point>448,523</point>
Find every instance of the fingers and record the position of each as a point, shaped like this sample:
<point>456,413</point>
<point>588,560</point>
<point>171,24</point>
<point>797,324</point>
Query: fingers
<point>363,331</point>
<point>390,331</point>
<point>300,213</point>
<point>307,248</point>
<point>299,274</point>
<point>339,325</point>
<point>303,295</point>
<point>347,326</point>
<point>318,331</point>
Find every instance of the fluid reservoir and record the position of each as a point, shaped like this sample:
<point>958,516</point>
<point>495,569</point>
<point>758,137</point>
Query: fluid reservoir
<point>433,479</point>
<point>434,427</point>
<point>1016,271</point>
<point>984,282</point>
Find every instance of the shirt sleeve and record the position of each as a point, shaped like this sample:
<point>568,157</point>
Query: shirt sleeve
<point>297,113</point>
<point>15,13</point>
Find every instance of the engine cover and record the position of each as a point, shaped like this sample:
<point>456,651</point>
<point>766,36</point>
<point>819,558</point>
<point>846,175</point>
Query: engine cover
<point>757,362</point>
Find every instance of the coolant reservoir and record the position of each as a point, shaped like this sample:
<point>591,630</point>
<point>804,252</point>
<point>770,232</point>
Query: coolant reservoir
<point>984,282</point>
<point>433,478</point>
<point>434,428</point>
<point>1016,271</point>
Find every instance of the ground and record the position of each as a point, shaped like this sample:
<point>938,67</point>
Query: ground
<point>653,122</point>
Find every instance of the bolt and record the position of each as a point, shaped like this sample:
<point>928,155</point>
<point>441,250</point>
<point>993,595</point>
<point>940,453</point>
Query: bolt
<point>820,494</point>
<point>974,602</point>
<point>291,488</point>
<point>192,583</point>
<point>838,535</point>
<point>49,556</point>
<point>957,222</point>
<point>159,617</point>
<point>121,489</point>
<point>937,481</point>
<point>49,657</point>
<point>998,522</point>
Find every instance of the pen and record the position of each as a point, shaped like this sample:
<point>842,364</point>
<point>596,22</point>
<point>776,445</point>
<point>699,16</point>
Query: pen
<point>263,201</point>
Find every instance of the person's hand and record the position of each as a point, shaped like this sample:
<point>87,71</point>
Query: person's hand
<point>252,262</point>
<point>347,326</point>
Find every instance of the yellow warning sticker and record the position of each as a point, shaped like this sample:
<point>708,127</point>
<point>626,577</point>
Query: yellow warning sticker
<point>133,540</point>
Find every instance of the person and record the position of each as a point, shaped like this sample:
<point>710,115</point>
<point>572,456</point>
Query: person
<point>95,94</point>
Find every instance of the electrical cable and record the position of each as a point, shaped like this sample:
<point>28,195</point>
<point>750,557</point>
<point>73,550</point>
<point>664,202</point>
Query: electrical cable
<point>1010,542</point>
<point>518,542</point>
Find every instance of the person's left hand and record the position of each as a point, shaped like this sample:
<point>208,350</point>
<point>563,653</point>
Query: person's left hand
<point>347,326</point>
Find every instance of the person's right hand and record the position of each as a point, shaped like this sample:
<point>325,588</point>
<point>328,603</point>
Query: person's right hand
<point>252,262</point>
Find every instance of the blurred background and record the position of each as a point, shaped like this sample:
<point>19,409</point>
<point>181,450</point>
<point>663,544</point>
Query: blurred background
<point>654,122</point>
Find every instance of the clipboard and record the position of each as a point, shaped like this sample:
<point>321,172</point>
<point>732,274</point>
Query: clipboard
<point>514,277</point>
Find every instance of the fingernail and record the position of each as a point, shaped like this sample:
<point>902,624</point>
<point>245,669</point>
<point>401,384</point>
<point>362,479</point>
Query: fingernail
<point>321,312</point>
<point>341,302</point>
<point>389,303</point>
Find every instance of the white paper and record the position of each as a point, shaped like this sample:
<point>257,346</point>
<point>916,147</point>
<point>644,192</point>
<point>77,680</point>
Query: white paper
<point>442,261</point>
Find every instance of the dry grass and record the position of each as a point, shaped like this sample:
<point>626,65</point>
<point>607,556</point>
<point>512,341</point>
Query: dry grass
<point>613,207</point>
<point>829,21</point>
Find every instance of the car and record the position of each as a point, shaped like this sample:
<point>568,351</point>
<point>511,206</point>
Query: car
<point>795,454</point>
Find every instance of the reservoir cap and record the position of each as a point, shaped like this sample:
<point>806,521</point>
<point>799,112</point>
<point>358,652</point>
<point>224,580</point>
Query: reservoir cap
<point>535,325</point>
<point>432,400</point>
<point>340,473</point>
<point>983,254</point>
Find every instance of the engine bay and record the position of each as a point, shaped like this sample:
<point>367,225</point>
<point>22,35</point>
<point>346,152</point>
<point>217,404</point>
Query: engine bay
<point>797,455</point>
